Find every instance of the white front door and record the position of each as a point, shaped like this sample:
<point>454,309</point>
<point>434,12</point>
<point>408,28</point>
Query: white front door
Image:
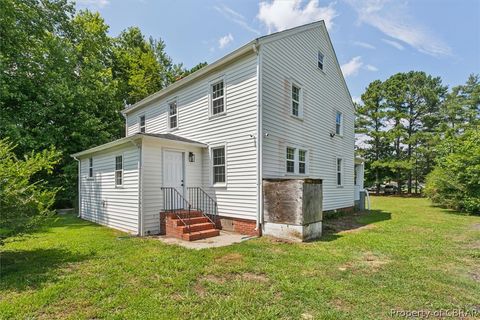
<point>173,176</point>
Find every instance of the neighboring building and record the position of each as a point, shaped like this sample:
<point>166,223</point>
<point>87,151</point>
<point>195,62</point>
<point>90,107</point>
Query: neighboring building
<point>276,109</point>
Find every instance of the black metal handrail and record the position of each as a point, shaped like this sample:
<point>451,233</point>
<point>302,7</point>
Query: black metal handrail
<point>204,203</point>
<point>175,203</point>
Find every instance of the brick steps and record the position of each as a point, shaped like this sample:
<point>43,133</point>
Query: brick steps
<point>192,226</point>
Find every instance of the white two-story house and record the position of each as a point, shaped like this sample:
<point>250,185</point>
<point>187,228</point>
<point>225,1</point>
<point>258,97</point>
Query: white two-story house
<point>276,109</point>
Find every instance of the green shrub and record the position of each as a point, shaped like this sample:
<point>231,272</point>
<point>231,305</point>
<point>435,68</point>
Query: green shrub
<point>455,181</point>
<point>24,200</point>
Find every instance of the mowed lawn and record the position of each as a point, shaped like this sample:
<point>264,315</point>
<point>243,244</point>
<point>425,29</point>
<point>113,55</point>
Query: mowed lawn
<point>405,255</point>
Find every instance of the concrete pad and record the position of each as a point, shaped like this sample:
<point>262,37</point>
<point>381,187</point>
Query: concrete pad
<point>225,238</point>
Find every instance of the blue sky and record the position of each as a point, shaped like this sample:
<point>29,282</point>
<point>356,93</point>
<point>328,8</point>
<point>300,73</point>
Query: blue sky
<point>372,38</point>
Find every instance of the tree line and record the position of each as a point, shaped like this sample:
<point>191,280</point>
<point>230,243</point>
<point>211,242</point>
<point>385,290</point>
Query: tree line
<point>64,80</point>
<point>409,124</point>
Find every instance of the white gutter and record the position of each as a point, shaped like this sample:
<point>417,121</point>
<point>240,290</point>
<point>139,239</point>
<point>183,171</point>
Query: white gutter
<point>79,180</point>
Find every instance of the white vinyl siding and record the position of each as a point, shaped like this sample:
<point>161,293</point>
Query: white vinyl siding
<point>324,93</point>
<point>239,197</point>
<point>103,203</point>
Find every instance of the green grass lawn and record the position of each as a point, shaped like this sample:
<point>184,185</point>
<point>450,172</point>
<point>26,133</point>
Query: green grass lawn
<point>408,256</point>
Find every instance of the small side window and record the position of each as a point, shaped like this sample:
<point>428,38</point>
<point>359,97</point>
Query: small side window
<point>218,155</point>
<point>218,98</point>
<point>172,115</point>
<point>142,123</point>
<point>118,171</point>
<point>320,58</point>
<point>339,123</point>
<point>297,107</point>
<point>90,168</point>
<point>339,172</point>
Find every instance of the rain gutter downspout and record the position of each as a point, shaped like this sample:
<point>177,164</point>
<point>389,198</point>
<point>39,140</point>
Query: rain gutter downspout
<point>259,141</point>
<point>79,186</point>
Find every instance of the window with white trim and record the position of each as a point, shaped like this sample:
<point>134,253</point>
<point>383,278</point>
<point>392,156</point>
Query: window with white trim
<point>320,58</point>
<point>339,123</point>
<point>118,171</point>
<point>142,123</point>
<point>218,98</point>
<point>218,162</point>
<point>296,160</point>
<point>90,167</point>
<point>296,100</point>
<point>302,161</point>
<point>339,171</point>
<point>290,160</point>
<point>172,115</point>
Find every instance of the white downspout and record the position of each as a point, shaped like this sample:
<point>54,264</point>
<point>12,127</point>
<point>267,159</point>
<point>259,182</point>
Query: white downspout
<point>259,142</point>
<point>79,180</point>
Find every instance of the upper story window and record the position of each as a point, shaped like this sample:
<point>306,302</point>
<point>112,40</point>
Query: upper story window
<point>290,160</point>
<point>297,108</point>
<point>320,58</point>
<point>339,171</point>
<point>142,123</point>
<point>218,98</point>
<point>90,167</point>
<point>218,160</point>
<point>339,123</point>
<point>172,115</point>
<point>118,171</point>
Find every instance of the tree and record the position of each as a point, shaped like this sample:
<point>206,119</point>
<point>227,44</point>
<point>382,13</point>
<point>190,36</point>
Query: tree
<point>24,200</point>
<point>413,101</point>
<point>370,123</point>
<point>455,181</point>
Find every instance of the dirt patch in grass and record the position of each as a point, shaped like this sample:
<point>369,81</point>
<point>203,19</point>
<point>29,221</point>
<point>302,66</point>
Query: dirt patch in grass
<point>476,226</point>
<point>370,261</point>
<point>340,304</point>
<point>228,259</point>
<point>346,224</point>
<point>201,288</point>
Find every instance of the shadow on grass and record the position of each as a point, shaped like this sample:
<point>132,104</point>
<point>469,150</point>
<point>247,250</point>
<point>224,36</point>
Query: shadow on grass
<point>27,269</point>
<point>352,223</point>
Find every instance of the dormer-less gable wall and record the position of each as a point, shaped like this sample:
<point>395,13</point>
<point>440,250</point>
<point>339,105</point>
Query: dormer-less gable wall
<point>293,60</point>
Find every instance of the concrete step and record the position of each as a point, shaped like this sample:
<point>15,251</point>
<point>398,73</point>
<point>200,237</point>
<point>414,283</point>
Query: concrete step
<point>198,235</point>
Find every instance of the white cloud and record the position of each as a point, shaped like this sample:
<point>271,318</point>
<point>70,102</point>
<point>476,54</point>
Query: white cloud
<point>352,67</point>
<point>235,17</point>
<point>279,15</point>
<point>394,44</point>
<point>225,40</point>
<point>392,19</point>
<point>93,3</point>
<point>364,45</point>
<point>369,67</point>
